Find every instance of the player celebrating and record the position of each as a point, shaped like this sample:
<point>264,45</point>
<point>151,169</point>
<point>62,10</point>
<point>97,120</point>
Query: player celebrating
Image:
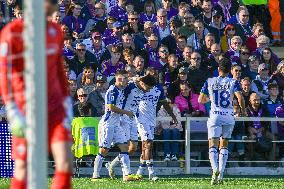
<point>220,91</point>
<point>147,122</point>
<point>12,86</point>
<point>133,94</point>
<point>110,129</point>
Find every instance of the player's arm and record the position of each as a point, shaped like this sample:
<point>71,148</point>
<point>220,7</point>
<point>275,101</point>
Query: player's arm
<point>115,109</point>
<point>241,100</point>
<point>16,120</point>
<point>203,96</point>
<point>169,111</point>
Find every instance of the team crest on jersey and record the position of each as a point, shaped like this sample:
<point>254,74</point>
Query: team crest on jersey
<point>3,49</point>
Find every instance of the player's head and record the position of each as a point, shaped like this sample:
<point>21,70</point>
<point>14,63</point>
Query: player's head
<point>147,82</point>
<point>224,66</point>
<point>50,7</point>
<point>153,72</point>
<point>121,78</point>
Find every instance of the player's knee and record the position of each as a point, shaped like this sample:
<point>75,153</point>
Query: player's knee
<point>103,151</point>
<point>224,143</point>
<point>214,142</point>
<point>132,148</point>
<point>148,145</point>
<point>20,169</point>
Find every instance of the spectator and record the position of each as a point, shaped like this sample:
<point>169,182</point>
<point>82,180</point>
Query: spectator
<point>261,42</point>
<point>82,59</point>
<point>187,51</point>
<point>278,77</point>
<point>236,72</point>
<point>197,74</point>
<point>234,51</point>
<point>96,97</point>
<point>88,80</point>
<point>98,22</point>
<point>127,41</point>
<point>246,89</point>
<point>114,37</point>
<point>173,89</point>
<point>268,59</point>
<point>110,66</point>
<point>187,28</point>
<point>181,44</point>
<point>68,50</point>
<point>196,7</point>
<point>83,108</point>
<point>211,62</point>
<point>98,49</point>
<point>257,31</point>
<point>169,72</point>
<point>88,10</point>
<point>170,131</point>
<point>73,89</point>
<point>163,54</point>
<point>183,8</point>
<point>149,13</point>
<point>260,84</point>
<point>75,24</point>
<point>139,65</point>
<point>280,130</point>
<point>217,25</point>
<point>273,101</point>
<point>196,40</point>
<point>170,40</point>
<point>70,74</point>
<point>118,11</point>
<point>171,11</point>
<point>206,14</point>
<point>243,60</point>
<point>187,102</point>
<point>131,72</point>
<point>243,28</point>
<point>206,48</point>
<point>228,8</point>
<point>257,129</point>
<point>253,63</point>
<point>161,25</point>
<point>128,56</point>
<point>225,41</point>
<point>133,21</point>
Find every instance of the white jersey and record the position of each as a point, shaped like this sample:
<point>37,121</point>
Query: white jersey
<point>148,105</point>
<point>220,91</point>
<point>114,96</point>
<point>132,97</point>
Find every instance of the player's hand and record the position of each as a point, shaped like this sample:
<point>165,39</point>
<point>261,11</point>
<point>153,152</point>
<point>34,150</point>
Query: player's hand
<point>175,121</point>
<point>68,106</point>
<point>130,114</point>
<point>16,120</point>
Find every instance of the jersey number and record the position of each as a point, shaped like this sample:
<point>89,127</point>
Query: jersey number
<point>222,98</point>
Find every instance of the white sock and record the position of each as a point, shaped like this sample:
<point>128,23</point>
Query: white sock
<point>213,157</point>
<point>98,165</point>
<point>125,161</point>
<point>141,168</point>
<point>115,162</point>
<point>223,157</point>
<point>149,164</point>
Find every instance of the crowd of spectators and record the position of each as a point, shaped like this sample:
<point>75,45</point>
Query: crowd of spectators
<point>182,39</point>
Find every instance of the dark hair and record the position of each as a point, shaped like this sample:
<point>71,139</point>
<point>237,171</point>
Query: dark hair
<point>149,80</point>
<point>225,65</point>
<point>120,72</point>
<point>272,85</point>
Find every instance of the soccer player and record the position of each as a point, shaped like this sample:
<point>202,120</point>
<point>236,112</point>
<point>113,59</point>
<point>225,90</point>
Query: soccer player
<point>12,87</point>
<point>146,118</point>
<point>110,129</point>
<point>133,94</point>
<point>220,91</point>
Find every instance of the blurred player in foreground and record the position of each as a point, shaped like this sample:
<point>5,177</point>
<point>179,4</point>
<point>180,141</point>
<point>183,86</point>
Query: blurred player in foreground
<point>147,122</point>
<point>220,91</point>
<point>12,86</point>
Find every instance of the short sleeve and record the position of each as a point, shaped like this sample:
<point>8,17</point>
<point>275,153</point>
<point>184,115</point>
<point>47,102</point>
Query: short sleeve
<point>237,87</point>
<point>204,89</point>
<point>112,96</point>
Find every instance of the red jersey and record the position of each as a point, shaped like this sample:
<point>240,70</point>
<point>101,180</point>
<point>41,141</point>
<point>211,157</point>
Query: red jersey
<point>12,84</point>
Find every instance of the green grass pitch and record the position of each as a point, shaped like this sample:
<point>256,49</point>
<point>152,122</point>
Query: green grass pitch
<point>182,182</point>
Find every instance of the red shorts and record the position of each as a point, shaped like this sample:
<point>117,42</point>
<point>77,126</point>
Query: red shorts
<point>56,133</point>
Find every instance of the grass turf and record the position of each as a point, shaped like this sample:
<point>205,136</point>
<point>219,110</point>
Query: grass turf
<point>188,182</point>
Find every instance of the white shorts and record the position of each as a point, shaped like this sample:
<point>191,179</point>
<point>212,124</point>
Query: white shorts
<point>110,134</point>
<point>129,125</point>
<point>146,131</point>
<point>216,131</point>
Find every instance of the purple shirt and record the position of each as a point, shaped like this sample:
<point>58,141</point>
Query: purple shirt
<point>75,25</point>
<point>68,53</point>
<point>280,113</point>
<point>112,40</point>
<point>171,13</point>
<point>118,13</point>
<point>144,18</point>
<point>153,55</point>
<point>233,55</point>
<point>109,70</point>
